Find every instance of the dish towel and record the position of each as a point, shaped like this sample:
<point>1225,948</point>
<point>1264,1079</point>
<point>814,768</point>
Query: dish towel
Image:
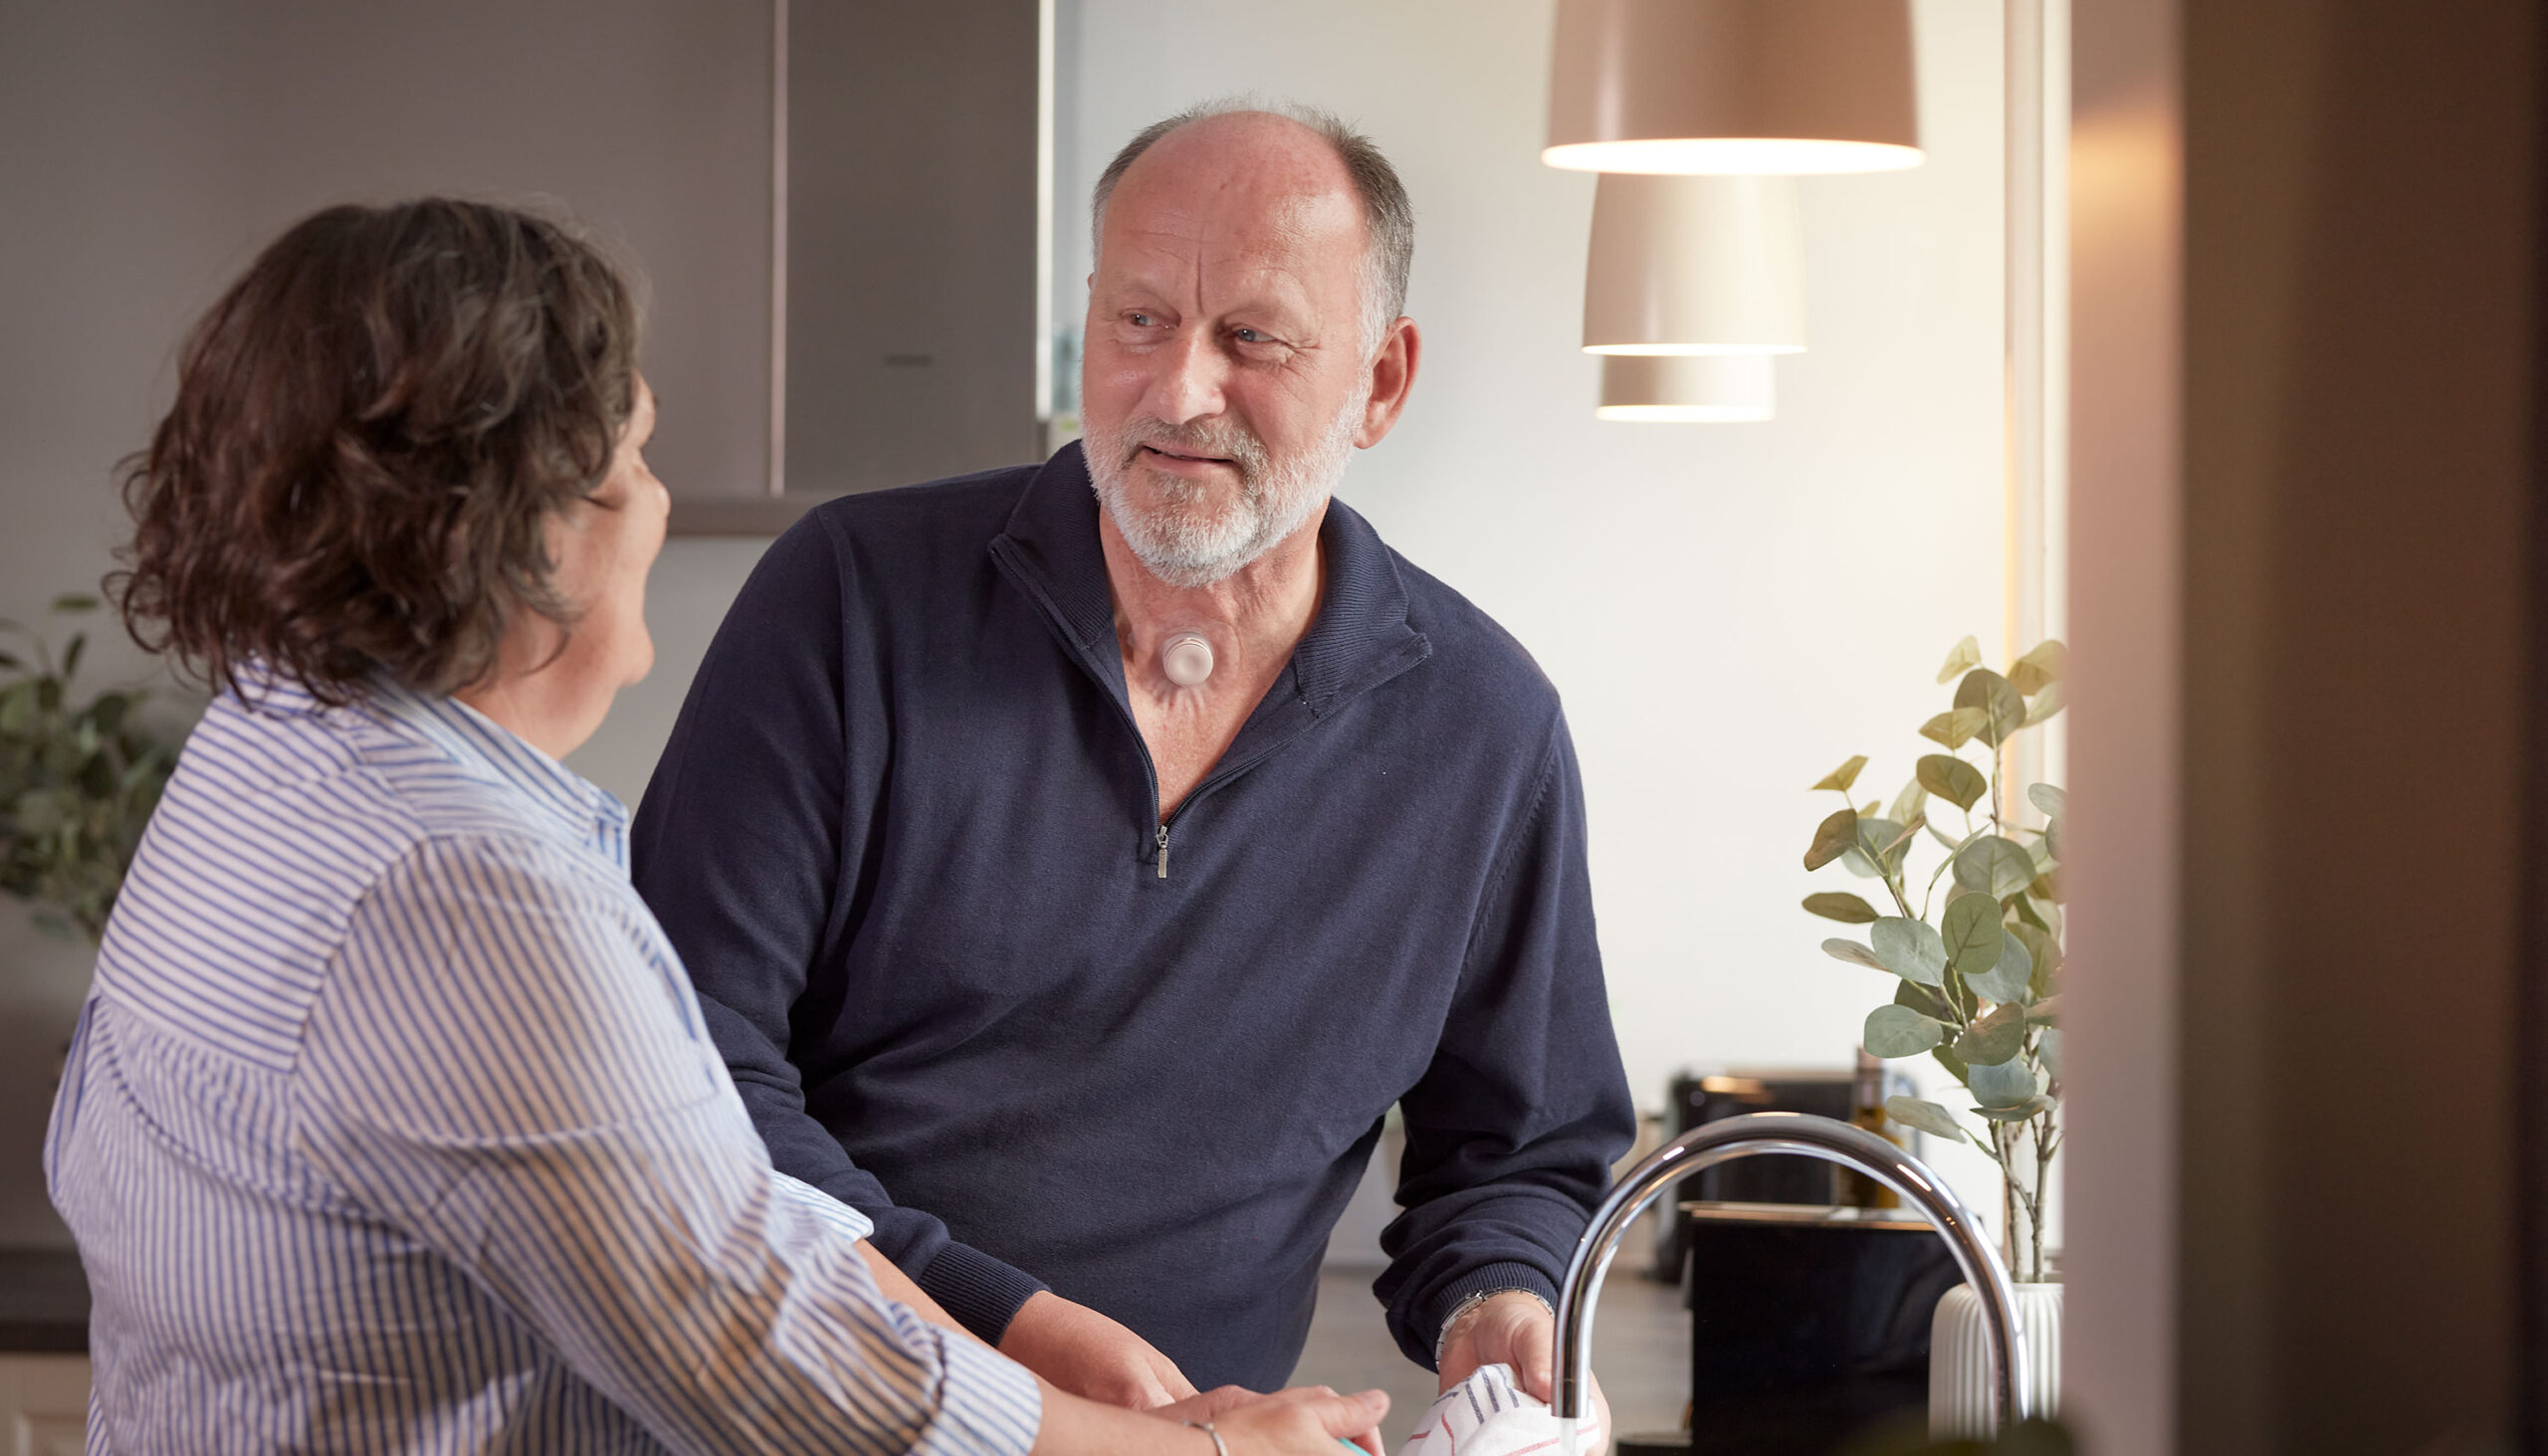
<point>1488,1415</point>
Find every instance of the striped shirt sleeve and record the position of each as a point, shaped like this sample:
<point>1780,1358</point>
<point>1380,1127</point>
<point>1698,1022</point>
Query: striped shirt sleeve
<point>505,1068</point>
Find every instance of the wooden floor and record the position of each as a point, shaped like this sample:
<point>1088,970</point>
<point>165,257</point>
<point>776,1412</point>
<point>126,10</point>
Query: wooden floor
<point>1641,1351</point>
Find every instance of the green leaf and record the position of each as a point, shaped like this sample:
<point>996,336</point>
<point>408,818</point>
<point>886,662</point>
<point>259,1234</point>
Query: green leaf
<point>1953,780</point>
<point>2025,911</point>
<point>108,712</point>
<point>1881,842</point>
<point>2044,951</point>
<point>10,659</point>
<point>2050,798</point>
<point>2048,1050</point>
<point>1910,949</point>
<point>1910,804</point>
<point>1841,906</point>
<point>1971,934</point>
<point>2009,1084</point>
<point>1920,999</point>
<point>1996,1037</point>
<point>49,695</point>
<point>1893,849</point>
<point>141,770</point>
<point>2039,669</point>
<point>1928,1117</point>
<point>39,811</point>
<point>1967,656</point>
<point>2046,1012</point>
<point>1852,953</point>
<point>1899,1031</point>
<point>1992,694</point>
<point>1835,836</point>
<point>1994,865</point>
<point>1956,727</point>
<point>2019,1113</point>
<point>71,655</point>
<point>2047,702</point>
<point>1946,1057</point>
<point>2009,980</point>
<point>74,601</point>
<point>1842,777</point>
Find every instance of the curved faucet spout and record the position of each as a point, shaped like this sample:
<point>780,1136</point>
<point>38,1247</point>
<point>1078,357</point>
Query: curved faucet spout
<point>1804,1136</point>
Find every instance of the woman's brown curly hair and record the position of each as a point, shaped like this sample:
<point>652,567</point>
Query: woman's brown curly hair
<point>370,430</point>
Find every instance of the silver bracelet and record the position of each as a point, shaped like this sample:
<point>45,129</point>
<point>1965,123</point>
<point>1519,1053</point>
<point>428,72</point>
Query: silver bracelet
<point>1443,1336</point>
<point>1219,1448</point>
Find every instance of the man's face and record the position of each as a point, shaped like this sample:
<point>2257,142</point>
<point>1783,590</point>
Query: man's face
<point>1224,383</point>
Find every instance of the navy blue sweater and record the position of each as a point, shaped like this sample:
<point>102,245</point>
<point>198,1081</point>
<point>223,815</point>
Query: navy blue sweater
<point>905,837</point>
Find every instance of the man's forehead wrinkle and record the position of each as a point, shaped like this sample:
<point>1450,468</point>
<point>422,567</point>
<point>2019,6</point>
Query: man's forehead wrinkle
<point>1282,245</point>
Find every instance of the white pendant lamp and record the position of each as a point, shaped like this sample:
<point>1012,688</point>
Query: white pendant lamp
<point>1693,265</point>
<point>1733,86</point>
<point>1687,388</point>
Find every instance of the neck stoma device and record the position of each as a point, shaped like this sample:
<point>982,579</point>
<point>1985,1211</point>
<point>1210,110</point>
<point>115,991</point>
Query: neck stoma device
<point>1186,658</point>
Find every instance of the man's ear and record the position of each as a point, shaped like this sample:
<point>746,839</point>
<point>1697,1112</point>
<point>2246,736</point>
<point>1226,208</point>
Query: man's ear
<point>1393,375</point>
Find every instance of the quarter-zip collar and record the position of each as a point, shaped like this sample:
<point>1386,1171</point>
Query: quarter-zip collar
<point>1359,639</point>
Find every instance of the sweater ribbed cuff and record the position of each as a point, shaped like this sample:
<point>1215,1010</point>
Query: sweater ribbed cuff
<point>983,1293</point>
<point>1485,1279</point>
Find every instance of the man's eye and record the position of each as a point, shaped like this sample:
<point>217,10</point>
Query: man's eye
<point>1140,319</point>
<point>1250,335</point>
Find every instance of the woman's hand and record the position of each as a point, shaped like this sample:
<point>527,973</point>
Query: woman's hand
<point>1087,1353</point>
<point>1302,1422</point>
<point>1305,1421</point>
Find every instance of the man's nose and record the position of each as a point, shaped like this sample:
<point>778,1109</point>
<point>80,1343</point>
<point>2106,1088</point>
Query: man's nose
<point>1188,383</point>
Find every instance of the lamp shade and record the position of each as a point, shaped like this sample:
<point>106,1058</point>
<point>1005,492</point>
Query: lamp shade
<point>1693,265</point>
<point>1733,86</point>
<point>1687,388</point>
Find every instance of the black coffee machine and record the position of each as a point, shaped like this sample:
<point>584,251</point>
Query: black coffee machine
<point>1808,1317</point>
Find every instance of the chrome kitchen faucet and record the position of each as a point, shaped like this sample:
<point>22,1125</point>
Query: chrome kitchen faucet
<point>1750,1136</point>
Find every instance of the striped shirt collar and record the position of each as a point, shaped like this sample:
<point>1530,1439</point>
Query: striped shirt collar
<point>585,813</point>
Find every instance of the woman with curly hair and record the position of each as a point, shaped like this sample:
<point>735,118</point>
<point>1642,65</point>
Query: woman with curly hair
<point>391,1123</point>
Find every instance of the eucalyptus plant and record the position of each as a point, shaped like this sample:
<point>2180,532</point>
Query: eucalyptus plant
<point>1976,942</point>
<point>77,782</point>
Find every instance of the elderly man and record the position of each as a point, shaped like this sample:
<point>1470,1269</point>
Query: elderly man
<point>1076,862</point>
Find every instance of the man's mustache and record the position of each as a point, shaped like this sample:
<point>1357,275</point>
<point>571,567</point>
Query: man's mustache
<point>1227,440</point>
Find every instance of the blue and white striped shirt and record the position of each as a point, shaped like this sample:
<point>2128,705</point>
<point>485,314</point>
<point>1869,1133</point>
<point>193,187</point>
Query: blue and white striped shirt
<point>391,1125</point>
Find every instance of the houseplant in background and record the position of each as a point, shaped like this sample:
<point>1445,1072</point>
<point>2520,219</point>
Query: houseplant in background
<point>1968,920</point>
<point>77,781</point>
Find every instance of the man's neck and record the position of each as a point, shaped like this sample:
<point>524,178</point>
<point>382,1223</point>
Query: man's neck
<point>1253,618</point>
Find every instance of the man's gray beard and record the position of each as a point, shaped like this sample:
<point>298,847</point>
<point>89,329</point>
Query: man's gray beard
<point>1183,540</point>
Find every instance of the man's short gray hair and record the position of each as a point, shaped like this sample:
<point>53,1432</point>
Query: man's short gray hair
<point>1389,219</point>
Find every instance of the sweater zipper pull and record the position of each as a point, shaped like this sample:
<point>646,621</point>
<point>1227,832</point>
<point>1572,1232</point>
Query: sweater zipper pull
<point>1163,851</point>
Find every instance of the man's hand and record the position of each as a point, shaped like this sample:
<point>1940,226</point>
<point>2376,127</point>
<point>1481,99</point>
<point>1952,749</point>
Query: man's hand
<point>1517,1330</point>
<point>1087,1353</point>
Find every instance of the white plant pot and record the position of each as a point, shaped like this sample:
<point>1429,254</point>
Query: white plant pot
<point>1960,1386</point>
